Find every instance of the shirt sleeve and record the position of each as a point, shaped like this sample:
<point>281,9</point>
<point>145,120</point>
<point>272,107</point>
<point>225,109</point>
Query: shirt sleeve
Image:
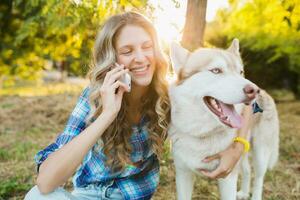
<point>75,125</point>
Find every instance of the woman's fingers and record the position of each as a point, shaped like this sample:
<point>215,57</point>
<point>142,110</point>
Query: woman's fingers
<point>116,76</point>
<point>111,72</point>
<point>220,172</point>
<point>211,158</point>
<point>112,89</point>
<point>118,84</point>
<point>120,93</point>
<point>211,174</point>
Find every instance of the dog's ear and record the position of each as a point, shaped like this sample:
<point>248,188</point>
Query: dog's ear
<point>178,56</point>
<point>234,47</point>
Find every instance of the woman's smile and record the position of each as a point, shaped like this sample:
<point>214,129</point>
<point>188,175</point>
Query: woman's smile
<point>140,70</point>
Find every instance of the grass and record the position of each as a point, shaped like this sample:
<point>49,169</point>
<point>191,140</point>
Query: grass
<point>38,89</point>
<point>32,117</point>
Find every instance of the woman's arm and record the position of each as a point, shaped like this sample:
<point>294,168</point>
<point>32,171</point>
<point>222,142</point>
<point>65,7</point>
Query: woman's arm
<point>230,156</point>
<point>61,164</point>
<point>248,118</point>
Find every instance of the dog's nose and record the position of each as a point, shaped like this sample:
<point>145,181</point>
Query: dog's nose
<point>251,91</point>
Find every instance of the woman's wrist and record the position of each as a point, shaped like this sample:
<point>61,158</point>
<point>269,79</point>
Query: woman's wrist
<point>107,116</point>
<point>239,147</point>
<point>244,142</point>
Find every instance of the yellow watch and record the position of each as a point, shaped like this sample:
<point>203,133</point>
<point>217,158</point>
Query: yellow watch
<point>244,142</point>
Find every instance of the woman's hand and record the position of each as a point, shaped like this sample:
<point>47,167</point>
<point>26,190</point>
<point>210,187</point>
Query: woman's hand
<point>112,100</point>
<point>230,156</point>
<point>228,159</point>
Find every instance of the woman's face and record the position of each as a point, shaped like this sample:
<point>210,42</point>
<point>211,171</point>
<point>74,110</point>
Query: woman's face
<point>135,51</point>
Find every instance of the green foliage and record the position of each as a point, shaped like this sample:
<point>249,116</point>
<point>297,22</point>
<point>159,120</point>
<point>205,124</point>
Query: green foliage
<point>263,24</point>
<point>17,152</point>
<point>4,154</point>
<point>34,32</point>
<point>269,33</point>
<point>282,95</point>
<point>12,187</point>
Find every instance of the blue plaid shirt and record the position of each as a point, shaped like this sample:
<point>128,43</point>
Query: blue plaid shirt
<point>134,182</point>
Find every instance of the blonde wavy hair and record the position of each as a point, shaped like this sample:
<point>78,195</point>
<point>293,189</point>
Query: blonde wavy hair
<point>156,106</point>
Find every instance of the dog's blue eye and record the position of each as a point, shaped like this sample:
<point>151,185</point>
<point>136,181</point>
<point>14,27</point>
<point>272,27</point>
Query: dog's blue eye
<point>216,70</point>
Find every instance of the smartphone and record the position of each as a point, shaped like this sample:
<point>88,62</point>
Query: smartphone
<point>127,80</point>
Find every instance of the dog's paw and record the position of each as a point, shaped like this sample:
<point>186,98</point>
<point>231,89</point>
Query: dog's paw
<point>242,195</point>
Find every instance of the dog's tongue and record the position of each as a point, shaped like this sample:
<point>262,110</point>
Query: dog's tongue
<point>235,120</point>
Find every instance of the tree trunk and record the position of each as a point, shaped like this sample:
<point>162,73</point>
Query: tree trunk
<point>62,68</point>
<point>194,24</point>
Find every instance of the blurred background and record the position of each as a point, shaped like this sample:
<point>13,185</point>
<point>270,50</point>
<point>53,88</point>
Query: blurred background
<point>45,53</point>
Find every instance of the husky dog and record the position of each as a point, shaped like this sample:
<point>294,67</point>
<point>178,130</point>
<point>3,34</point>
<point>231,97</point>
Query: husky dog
<point>205,104</point>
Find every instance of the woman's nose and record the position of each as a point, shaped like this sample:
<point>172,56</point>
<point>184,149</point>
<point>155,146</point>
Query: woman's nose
<point>139,56</point>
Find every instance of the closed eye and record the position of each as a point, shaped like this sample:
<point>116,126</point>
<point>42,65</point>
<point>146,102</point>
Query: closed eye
<point>126,52</point>
<point>216,70</point>
<point>147,46</point>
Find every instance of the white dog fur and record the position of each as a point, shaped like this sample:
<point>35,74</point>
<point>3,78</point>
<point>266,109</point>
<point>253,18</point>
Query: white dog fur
<point>196,132</point>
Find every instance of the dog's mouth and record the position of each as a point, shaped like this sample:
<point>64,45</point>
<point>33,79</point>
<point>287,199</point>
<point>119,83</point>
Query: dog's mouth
<point>225,112</point>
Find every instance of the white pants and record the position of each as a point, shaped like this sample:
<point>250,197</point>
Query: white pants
<point>90,192</point>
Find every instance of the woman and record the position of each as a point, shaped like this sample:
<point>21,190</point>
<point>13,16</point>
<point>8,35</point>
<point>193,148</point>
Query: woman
<point>113,137</point>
